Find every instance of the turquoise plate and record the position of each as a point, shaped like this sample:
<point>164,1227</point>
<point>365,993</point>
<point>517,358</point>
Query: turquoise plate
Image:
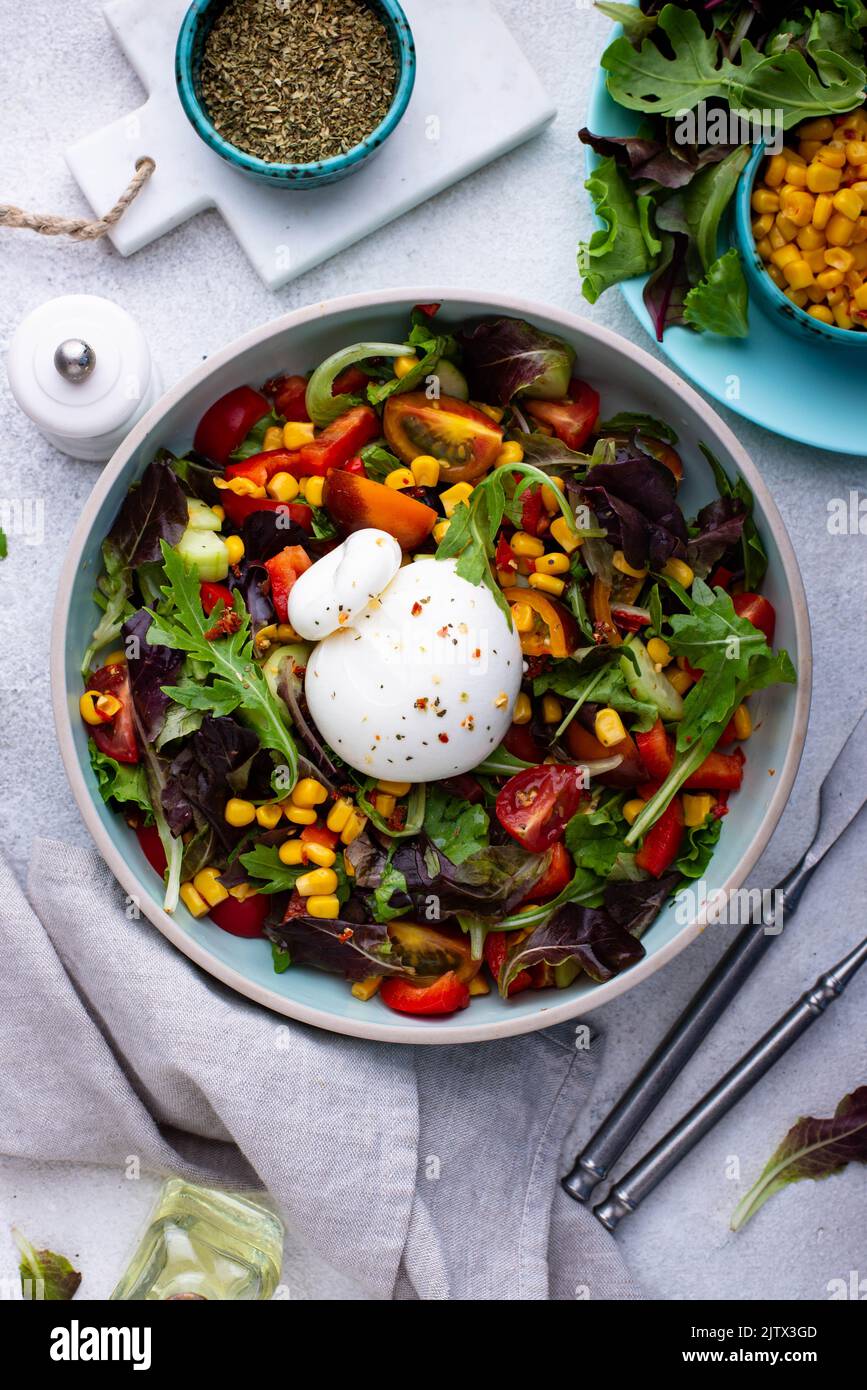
<point>800,390</point>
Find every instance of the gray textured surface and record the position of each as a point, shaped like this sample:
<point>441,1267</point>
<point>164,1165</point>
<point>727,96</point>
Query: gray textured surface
<point>513,227</point>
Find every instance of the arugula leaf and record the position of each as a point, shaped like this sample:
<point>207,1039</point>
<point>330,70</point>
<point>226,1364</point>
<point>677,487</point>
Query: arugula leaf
<point>45,1275</point>
<point>4,544</point>
<point>281,958</point>
<point>811,1149</point>
<point>237,683</point>
<point>264,864</point>
<point>623,246</point>
<point>693,69</point>
<point>456,827</point>
<point>595,838</point>
<point>254,442</point>
<point>636,25</point>
<point>599,680</point>
<point>628,420</point>
<point>720,302</point>
<point>120,782</point>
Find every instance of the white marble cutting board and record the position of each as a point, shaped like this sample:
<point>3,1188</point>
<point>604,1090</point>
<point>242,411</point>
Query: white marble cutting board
<point>475,97</point>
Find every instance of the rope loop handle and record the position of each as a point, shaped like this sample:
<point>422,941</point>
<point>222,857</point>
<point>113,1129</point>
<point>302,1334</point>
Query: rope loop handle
<point>79,228</point>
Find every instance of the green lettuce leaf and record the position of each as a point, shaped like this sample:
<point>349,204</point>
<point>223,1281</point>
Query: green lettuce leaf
<point>720,303</point>
<point>636,25</point>
<point>254,442</point>
<point>706,199</point>
<point>45,1275</point>
<point>698,848</point>
<point>120,782</point>
<point>624,246</point>
<point>455,827</point>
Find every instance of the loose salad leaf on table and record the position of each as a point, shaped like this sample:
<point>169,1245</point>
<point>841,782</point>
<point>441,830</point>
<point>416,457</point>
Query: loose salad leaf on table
<point>662,193</point>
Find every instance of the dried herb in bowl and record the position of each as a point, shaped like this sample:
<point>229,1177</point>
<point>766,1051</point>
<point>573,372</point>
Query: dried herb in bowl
<point>297,81</point>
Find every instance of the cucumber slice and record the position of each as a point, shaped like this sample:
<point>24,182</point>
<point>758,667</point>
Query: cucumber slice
<point>649,684</point>
<point>272,667</point>
<point>207,552</point>
<point>201,517</point>
<point>566,972</point>
<point>452,380</point>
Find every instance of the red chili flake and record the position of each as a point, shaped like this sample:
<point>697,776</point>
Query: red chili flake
<point>538,665</point>
<point>421,703</point>
<point>477,653</point>
<point>397,819</point>
<point>346,935</point>
<point>444,631</point>
<point>469,723</point>
<point>443,738</point>
<point>229,622</point>
<point>416,609</point>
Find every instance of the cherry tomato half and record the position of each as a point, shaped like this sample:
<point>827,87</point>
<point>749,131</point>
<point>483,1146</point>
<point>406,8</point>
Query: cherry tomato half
<point>758,611</point>
<point>354,502</point>
<point>497,945</point>
<point>117,738</point>
<point>464,440</point>
<point>228,421</point>
<point>152,847</point>
<point>535,805</point>
<point>245,918</point>
<point>290,397</point>
<point>574,420</point>
<point>555,878</point>
<point>445,996</point>
<point>212,594</point>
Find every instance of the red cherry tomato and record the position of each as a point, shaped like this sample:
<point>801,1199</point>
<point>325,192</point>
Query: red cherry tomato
<point>260,468</point>
<point>496,949</point>
<point>555,878</point>
<point>758,611</point>
<point>290,393</point>
<point>354,465</point>
<point>212,594</point>
<point>283,570</point>
<point>444,996</point>
<point>117,738</point>
<point>662,842</point>
<point>521,743</point>
<point>152,847</point>
<point>574,421</point>
<point>535,805</point>
<point>228,421</point>
<point>338,443</point>
<point>245,918</point>
<point>352,381</point>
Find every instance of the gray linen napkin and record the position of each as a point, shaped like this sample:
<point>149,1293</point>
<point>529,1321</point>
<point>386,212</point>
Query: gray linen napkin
<point>414,1172</point>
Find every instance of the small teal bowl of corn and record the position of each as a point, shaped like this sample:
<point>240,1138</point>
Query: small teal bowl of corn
<point>770,298</point>
<point>195,28</point>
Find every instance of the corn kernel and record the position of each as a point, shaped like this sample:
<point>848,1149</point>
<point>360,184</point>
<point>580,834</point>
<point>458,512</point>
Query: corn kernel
<point>822,128</point>
<point>632,810</point>
<point>822,210</point>
<point>775,171</point>
<point>815,259</point>
<point>764,200</point>
<point>283,487</point>
<point>839,258</point>
<point>659,651</point>
<point>815,294</point>
<point>839,229</point>
<point>317,881</point>
<point>269,816</point>
<point>439,531</point>
<point>511,452</point>
<point>785,256</point>
<point>552,710</point>
<point>353,828</point>
<point>493,412</point>
<point>523,711</point>
<point>860,297</point>
<point>454,496</point>
<point>797,297</point>
<point>678,680</point>
<point>848,202</point>
<point>835,296</point>
<point>384,803</point>
<point>787,229</point>
<point>348,866</point>
<point>297,433</point>
<point>478,985</point>
<point>762,225</point>
<point>810,238</point>
<point>821,178</point>
<point>239,813</point>
<point>308,792</point>
<point>529,547</point>
<point>273,439</point>
<point>696,809</point>
<point>621,563</point>
<point>206,882</point>
<point>426,470</point>
<point>796,174</point>
<point>234,550</point>
<point>860,187</point>
<point>832,155</point>
<point>242,891</point>
<point>241,487</point>
<point>547,583</point>
<point>192,900</point>
<point>220,513</point>
<point>323,907</point>
<point>553,563</point>
<point>313,491</point>
<point>776,275</point>
<point>764,248</point>
<point>743,722</point>
<point>404,365</point>
<point>299,815</point>
<point>775,240</point>
<point>318,854</point>
<point>841,316</point>
<point>798,274</point>
<point>829,279</point>
<point>549,495</point>
<point>366,988</point>
<point>608,727</point>
<point>679,571</point>
<point>396,788</point>
<point>808,149</point>
<point>87,708</point>
<point>291,852</point>
<point>399,478</point>
<point>798,207</point>
<point>564,535</point>
<point>339,815</point>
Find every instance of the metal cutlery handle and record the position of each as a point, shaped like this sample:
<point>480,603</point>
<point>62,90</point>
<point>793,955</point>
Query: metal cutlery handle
<point>631,1190</point>
<point>602,1151</point>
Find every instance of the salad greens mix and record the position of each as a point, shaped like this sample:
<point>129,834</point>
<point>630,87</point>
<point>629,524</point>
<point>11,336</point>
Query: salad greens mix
<point>660,195</point>
<point>643,635</point>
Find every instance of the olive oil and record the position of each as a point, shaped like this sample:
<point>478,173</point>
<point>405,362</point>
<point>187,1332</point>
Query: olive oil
<point>203,1243</point>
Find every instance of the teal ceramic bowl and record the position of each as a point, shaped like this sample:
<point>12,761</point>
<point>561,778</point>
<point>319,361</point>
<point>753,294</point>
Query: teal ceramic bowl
<point>629,379</point>
<point>196,26</point>
<point>764,292</point>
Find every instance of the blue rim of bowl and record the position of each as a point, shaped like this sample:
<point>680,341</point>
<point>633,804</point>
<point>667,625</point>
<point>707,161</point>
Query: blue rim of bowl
<point>400,33</point>
<point>772,294</point>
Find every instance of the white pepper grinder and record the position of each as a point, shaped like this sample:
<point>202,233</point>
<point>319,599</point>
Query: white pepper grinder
<point>80,367</point>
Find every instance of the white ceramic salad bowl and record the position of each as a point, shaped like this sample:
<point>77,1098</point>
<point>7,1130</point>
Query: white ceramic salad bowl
<point>628,379</point>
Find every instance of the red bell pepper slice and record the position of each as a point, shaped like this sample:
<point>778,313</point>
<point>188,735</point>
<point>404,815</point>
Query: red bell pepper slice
<point>338,443</point>
<point>354,465</point>
<point>152,847</point>
<point>237,509</point>
<point>532,511</point>
<point>758,611</point>
<point>535,805</point>
<point>238,918</point>
<point>657,751</point>
<point>496,950</point>
<point>718,772</point>
<point>662,842</point>
<point>555,878</point>
<point>444,996</point>
<point>228,421</point>
<point>260,468</point>
<point>283,570</point>
<point>212,594</point>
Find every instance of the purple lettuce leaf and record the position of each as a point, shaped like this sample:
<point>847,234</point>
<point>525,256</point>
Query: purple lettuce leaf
<point>150,668</point>
<point>254,584</point>
<point>506,357</point>
<point>658,161</point>
<point>721,526</point>
<point>667,286</point>
<point>811,1149</point>
<point>265,534</point>
<point>222,759</point>
<point>636,501</point>
<point>341,946</point>
<point>493,882</point>
<point>154,511</point>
